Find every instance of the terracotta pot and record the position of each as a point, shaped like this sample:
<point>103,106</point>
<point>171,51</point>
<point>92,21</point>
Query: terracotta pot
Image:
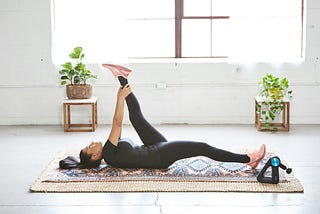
<point>82,91</point>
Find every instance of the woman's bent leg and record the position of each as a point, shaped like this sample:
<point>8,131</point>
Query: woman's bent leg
<point>147,133</point>
<point>176,150</point>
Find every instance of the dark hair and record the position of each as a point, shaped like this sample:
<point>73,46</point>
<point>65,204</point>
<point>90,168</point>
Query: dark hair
<point>70,162</point>
<point>86,160</point>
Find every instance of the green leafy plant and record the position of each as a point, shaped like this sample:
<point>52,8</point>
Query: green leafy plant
<point>75,72</point>
<point>272,91</point>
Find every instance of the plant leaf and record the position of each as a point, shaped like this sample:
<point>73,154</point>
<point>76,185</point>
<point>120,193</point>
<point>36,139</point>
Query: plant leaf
<point>67,65</point>
<point>63,82</point>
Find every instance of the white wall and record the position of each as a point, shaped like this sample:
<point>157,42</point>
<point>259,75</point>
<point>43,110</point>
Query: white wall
<point>199,93</point>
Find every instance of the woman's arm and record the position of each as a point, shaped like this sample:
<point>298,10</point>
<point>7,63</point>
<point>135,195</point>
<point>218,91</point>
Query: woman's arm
<point>116,129</point>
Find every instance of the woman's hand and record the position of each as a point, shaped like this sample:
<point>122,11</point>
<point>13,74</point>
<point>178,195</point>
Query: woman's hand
<point>124,91</point>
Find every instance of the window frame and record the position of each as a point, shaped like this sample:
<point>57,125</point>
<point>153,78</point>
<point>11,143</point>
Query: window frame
<point>179,16</point>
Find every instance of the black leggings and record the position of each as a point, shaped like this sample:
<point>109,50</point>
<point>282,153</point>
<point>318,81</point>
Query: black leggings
<point>171,151</point>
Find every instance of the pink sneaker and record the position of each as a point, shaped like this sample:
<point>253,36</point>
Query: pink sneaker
<point>256,156</point>
<point>118,70</point>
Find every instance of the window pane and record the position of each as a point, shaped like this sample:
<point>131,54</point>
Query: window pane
<point>286,8</point>
<point>222,7</point>
<point>151,38</point>
<point>196,39</point>
<point>279,8</point>
<point>284,42</point>
<point>197,8</point>
<point>265,7</point>
<point>220,37</point>
<point>275,39</point>
<point>101,31</point>
<point>139,9</point>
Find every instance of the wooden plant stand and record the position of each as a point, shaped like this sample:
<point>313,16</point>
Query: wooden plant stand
<point>68,126</point>
<point>284,125</point>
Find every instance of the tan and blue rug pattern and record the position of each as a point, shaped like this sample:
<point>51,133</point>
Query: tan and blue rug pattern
<point>189,169</point>
<point>198,174</point>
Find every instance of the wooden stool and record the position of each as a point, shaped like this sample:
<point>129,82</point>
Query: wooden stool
<point>285,120</point>
<point>68,126</point>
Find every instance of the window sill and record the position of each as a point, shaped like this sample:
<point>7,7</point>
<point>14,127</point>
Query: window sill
<point>209,60</point>
<point>178,60</point>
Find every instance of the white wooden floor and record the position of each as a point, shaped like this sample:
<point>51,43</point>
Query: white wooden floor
<point>26,150</point>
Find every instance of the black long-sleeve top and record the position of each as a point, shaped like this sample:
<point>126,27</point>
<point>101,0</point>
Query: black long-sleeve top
<point>128,155</point>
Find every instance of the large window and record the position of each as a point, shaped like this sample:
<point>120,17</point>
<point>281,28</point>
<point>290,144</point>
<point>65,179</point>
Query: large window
<point>241,30</point>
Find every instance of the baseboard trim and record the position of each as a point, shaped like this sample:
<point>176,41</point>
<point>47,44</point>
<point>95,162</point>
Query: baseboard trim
<point>106,120</point>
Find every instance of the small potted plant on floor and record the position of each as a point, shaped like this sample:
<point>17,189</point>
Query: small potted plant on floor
<point>273,91</point>
<point>75,75</point>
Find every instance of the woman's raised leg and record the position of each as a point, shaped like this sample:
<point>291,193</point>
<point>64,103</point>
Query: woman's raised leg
<point>147,133</point>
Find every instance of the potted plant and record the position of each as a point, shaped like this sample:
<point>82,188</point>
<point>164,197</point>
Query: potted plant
<point>273,91</point>
<point>75,75</point>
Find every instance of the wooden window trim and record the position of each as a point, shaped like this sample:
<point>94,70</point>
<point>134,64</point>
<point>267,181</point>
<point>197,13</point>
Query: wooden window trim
<point>302,28</point>
<point>205,17</point>
<point>178,27</point>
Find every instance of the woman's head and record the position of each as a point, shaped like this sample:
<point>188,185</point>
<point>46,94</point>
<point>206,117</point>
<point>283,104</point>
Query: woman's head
<point>91,155</point>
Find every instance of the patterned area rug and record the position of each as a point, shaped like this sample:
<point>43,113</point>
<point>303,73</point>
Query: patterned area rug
<point>191,174</point>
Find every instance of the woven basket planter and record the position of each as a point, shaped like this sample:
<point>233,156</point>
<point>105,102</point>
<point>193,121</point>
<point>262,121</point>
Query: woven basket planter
<point>83,91</point>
